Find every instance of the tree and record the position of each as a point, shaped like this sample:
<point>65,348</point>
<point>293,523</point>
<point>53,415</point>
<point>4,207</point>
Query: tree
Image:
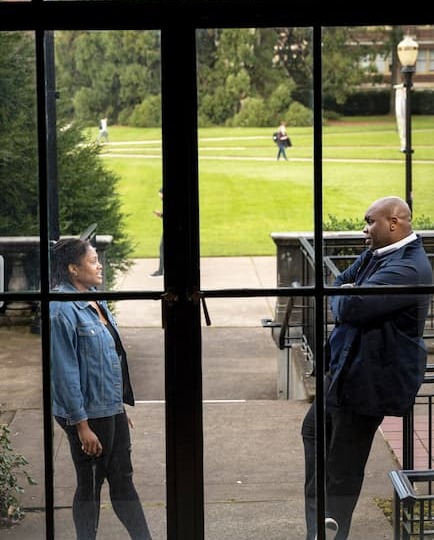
<point>87,190</point>
<point>117,74</point>
<point>347,62</point>
<point>18,171</point>
<point>395,35</point>
<point>107,72</point>
<point>293,54</point>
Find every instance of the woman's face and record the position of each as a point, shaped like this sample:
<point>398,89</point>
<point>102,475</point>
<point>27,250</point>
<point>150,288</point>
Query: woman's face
<point>88,273</point>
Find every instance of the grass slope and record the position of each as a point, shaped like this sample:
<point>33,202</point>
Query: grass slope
<point>245,194</point>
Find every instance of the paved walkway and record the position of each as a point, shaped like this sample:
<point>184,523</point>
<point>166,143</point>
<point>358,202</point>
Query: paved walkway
<point>215,273</point>
<point>253,455</point>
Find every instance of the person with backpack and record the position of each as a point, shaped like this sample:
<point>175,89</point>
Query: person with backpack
<point>282,140</point>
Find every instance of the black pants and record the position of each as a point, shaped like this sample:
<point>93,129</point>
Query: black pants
<point>349,438</point>
<point>161,263</point>
<point>115,466</point>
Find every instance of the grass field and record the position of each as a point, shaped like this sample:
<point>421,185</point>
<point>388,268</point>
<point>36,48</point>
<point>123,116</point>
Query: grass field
<point>245,194</point>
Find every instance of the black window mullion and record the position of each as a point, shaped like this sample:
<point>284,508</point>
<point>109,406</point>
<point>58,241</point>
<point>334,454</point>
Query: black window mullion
<point>183,372</point>
<point>319,285</point>
<point>43,157</point>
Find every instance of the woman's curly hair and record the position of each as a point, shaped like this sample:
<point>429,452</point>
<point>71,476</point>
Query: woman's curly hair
<point>63,253</point>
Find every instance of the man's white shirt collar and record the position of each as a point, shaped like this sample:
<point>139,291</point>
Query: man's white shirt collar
<point>393,247</point>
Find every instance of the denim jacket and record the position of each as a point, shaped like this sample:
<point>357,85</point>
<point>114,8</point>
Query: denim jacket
<point>86,372</point>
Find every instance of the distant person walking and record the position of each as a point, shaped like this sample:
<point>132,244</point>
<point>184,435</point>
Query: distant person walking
<point>160,270</point>
<point>103,130</point>
<point>282,141</point>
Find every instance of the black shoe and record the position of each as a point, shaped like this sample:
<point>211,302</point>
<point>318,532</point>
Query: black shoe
<point>157,273</point>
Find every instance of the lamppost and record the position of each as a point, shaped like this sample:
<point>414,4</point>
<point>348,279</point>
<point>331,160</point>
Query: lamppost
<point>407,54</point>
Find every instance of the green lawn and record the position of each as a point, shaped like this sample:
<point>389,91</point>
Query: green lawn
<point>245,194</point>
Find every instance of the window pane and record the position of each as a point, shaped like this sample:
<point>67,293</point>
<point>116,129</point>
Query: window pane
<point>143,344</point>
<point>109,146</point>
<point>22,439</point>
<point>21,404</point>
<point>248,191</point>
<point>19,215</point>
<point>250,82</point>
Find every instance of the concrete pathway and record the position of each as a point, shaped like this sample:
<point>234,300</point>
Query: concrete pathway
<point>253,455</point>
<point>216,273</point>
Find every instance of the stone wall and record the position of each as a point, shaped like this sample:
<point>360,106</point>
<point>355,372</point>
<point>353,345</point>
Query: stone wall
<point>20,273</point>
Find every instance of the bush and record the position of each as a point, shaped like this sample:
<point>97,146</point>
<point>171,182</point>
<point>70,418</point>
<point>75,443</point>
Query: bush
<point>298,115</point>
<point>147,114</point>
<point>371,102</point>
<point>422,101</point>
<point>336,224</point>
<point>422,223</point>
<point>253,113</point>
<point>279,102</point>
<point>11,463</point>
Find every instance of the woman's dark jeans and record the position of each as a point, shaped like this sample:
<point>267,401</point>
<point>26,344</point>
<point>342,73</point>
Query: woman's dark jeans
<point>114,465</point>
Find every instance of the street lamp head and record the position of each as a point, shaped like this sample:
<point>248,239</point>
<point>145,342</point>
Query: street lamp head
<point>407,53</point>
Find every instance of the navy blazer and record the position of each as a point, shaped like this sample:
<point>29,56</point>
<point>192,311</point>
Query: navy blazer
<point>377,353</point>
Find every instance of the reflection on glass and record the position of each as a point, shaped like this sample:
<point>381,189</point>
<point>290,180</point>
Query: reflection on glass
<point>250,82</point>
<point>252,444</point>
<point>21,415</point>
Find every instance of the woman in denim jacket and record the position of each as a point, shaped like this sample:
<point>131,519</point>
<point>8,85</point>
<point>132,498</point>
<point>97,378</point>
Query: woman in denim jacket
<point>90,384</point>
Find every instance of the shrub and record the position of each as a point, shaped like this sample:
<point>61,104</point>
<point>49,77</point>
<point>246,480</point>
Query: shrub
<point>147,114</point>
<point>10,489</point>
<point>298,115</point>
<point>423,223</point>
<point>345,224</point>
<point>253,113</point>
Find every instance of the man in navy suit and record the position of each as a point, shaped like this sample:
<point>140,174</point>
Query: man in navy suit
<point>376,359</point>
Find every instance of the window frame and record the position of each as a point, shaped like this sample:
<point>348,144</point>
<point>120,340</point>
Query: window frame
<point>184,429</point>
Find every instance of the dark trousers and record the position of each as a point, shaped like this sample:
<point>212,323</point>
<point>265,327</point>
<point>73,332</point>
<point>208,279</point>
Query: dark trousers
<point>115,466</point>
<point>281,151</point>
<point>161,264</point>
<point>349,438</point>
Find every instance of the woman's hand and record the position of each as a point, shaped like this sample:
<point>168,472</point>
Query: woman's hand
<point>90,444</point>
<point>130,421</point>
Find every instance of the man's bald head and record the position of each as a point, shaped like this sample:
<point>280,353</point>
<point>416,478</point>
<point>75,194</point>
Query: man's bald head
<point>388,220</point>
